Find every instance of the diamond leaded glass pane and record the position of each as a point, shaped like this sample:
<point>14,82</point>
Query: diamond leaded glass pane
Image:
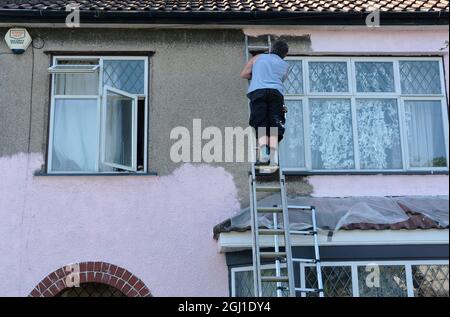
<point>294,81</point>
<point>430,280</point>
<point>382,281</point>
<point>375,77</point>
<point>293,146</point>
<point>244,284</point>
<point>378,134</point>
<point>337,281</point>
<point>420,77</point>
<point>126,75</point>
<point>331,134</point>
<point>328,77</point>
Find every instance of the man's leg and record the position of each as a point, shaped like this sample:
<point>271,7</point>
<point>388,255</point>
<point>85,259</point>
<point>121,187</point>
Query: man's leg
<point>259,120</point>
<point>277,121</point>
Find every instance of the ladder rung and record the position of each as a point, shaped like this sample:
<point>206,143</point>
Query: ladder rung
<point>266,167</point>
<point>268,188</point>
<point>300,207</point>
<point>272,255</point>
<point>305,233</point>
<point>272,232</point>
<point>308,290</point>
<point>305,260</point>
<point>273,279</point>
<point>258,47</point>
<point>270,209</point>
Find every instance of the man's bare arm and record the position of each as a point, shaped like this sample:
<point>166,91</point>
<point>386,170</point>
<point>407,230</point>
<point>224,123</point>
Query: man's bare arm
<point>247,71</point>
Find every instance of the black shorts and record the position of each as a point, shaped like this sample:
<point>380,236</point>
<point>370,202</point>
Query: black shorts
<point>266,110</point>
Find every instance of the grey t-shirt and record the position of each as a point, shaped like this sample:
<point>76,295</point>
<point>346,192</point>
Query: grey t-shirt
<point>268,72</point>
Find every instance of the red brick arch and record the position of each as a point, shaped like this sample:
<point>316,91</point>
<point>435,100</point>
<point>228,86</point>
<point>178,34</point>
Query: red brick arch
<point>98,272</point>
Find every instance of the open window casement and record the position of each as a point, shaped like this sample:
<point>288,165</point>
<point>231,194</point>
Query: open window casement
<point>73,69</point>
<point>119,129</point>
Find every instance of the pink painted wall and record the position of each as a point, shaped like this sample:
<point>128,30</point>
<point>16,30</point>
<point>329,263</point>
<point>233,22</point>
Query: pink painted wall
<point>379,185</point>
<point>159,228</point>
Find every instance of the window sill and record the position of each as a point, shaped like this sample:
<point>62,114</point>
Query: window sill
<point>319,173</point>
<point>45,174</point>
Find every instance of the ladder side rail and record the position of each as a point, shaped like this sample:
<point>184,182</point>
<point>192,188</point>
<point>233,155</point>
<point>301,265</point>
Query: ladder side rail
<point>287,237</point>
<point>253,205</point>
<point>277,249</point>
<point>255,244</point>
<point>317,254</point>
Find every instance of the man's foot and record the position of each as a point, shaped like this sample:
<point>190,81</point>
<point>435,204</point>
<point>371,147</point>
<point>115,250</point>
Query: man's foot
<point>264,156</point>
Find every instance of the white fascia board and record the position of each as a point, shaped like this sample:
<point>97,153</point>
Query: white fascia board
<point>265,28</point>
<point>238,241</point>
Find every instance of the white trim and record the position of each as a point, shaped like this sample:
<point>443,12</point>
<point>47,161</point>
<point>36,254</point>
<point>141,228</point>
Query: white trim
<point>75,96</point>
<point>409,280</point>
<point>355,286</point>
<point>237,241</point>
<point>99,59</point>
<point>50,123</point>
<point>146,111</point>
<point>353,95</point>
<point>244,27</point>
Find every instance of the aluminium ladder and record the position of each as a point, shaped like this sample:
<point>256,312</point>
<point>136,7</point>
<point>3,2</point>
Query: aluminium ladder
<point>282,259</point>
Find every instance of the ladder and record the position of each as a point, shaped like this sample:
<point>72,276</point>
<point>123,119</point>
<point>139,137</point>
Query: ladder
<point>284,272</point>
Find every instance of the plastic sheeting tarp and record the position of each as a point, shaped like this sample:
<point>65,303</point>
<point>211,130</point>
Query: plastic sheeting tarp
<point>336,213</point>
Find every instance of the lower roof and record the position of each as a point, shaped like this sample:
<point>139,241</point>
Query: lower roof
<point>354,213</point>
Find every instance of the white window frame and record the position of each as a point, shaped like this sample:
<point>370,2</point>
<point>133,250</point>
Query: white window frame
<point>352,95</point>
<point>134,98</point>
<point>354,272</point>
<point>99,98</point>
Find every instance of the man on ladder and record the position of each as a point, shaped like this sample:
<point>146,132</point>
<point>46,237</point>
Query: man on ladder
<point>267,73</point>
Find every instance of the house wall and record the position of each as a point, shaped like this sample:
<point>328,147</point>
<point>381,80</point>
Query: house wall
<point>157,227</point>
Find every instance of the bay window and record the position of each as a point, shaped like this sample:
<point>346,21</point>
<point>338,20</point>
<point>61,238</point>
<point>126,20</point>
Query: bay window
<point>98,115</point>
<point>374,114</point>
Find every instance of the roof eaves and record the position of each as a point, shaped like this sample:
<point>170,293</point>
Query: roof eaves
<point>226,18</point>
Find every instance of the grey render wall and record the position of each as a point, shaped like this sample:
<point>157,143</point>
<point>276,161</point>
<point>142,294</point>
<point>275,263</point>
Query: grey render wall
<point>194,74</point>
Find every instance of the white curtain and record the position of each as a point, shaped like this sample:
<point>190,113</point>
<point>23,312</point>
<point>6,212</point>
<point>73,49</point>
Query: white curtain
<point>378,134</point>
<point>331,134</point>
<point>76,84</point>
<point>75,135</point>
<point>292,148</point>
<point>425,133</point>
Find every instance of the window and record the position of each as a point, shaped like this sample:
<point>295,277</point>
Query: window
<point>98,115</point>
<point>365,114</point>
<point>91,290</point>
<point>358,279</point>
